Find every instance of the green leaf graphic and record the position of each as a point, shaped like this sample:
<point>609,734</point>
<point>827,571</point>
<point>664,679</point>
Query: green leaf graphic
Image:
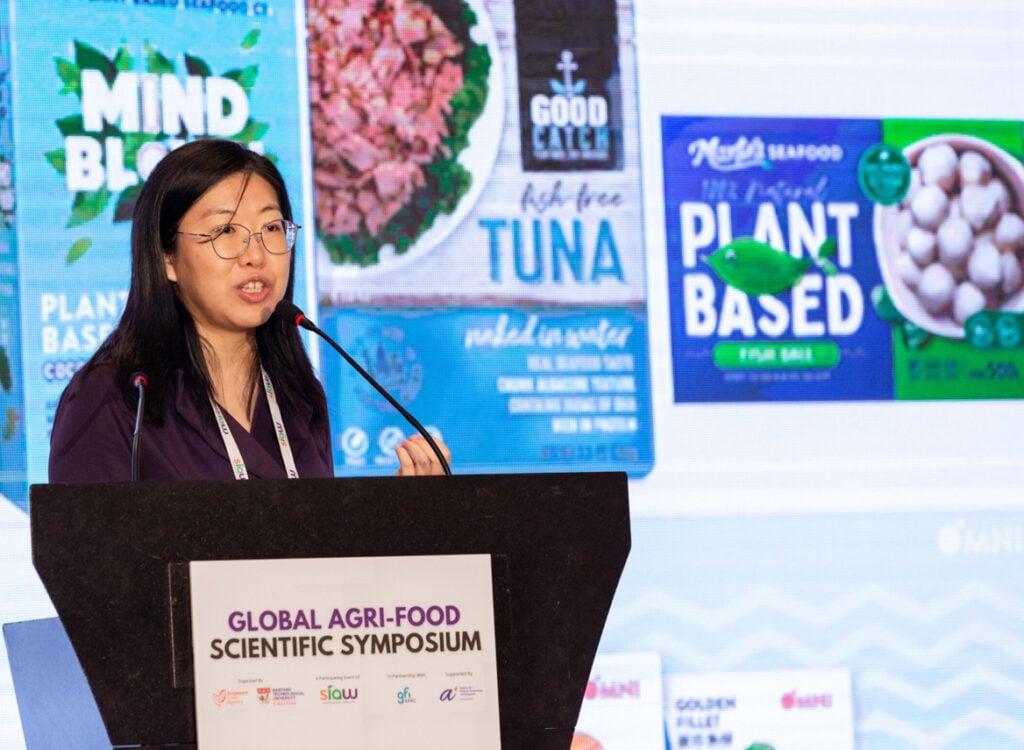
<point>69,73</point>
<point>57,159</point>
<point>78,250</point>
<point>155,61</point>
<point>828,248</point>
<point>197,67</point>
<point>250,39</point>
<point>123,60</point>
<point>11,423</point>
<point>132,143</point>
<point>756,268</point>
<point>87,206</point>
<point>246,77</point>
<point>253,131</point>
<point>89,58</point>
<point>71,125</point>
<point>5,371</point>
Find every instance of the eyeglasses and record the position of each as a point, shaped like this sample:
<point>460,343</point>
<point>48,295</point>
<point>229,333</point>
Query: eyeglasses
<point>230,241</point>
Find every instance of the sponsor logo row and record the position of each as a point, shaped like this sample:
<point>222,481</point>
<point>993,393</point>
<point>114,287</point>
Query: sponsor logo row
<point>336,695</point>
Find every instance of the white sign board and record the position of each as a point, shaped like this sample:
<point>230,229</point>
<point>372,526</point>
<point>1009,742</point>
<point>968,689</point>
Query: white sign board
<point>780,710</point>
<point>380,651</point>
<point>622,707</point>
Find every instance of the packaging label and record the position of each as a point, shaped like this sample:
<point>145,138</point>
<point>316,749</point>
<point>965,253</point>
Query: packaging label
<point>818,260</point>
<point>97,101</point>
<point>497,293</point>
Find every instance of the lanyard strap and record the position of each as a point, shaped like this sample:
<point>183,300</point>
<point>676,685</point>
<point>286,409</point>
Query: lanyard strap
<point>235,455</point>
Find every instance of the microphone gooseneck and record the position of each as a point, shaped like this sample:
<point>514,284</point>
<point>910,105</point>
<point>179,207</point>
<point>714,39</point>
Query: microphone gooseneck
<point>139,381</point>
<point>291,311</point>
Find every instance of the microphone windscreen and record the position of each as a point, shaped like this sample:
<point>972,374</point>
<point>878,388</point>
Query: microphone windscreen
<point>289,310</point>
<point>137,378</point>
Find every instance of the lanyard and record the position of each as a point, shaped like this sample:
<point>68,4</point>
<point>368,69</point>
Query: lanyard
<point>235,455</point>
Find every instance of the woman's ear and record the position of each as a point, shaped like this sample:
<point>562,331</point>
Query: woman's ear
<point>172,275</point>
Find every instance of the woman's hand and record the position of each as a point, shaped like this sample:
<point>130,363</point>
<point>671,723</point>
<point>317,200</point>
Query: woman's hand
<point>417,458</point>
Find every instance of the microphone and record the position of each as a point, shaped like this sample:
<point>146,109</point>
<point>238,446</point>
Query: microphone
<point>289,310</point>
<point>139,381</point>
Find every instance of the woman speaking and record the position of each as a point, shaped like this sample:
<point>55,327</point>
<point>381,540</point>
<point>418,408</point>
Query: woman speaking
<point>230,391</point>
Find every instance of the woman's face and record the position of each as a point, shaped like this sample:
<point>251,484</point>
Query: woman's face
<point>227,297</point>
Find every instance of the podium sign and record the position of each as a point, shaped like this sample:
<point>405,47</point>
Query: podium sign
<point>380,651</point>
<point>115,560</point>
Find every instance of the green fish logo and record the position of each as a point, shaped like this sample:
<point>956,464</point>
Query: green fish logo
<point>756,268</point>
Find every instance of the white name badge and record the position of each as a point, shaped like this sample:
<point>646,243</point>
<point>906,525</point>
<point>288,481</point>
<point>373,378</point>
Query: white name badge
<point>373,652</point>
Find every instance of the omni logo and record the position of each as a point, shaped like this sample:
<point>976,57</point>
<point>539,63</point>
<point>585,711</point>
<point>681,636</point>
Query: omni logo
<point>598,688</point>
<point>792,701</point>
<point>960,539</point>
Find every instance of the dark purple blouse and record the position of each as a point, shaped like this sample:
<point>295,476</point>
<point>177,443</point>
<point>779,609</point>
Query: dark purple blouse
<point>91,439</point>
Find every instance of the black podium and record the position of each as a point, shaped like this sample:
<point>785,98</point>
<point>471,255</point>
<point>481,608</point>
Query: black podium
<point>114,559</point>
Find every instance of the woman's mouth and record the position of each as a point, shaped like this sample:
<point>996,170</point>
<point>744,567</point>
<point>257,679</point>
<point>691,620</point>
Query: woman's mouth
<point>255,290</point>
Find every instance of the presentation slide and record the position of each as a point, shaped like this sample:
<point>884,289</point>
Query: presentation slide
<point>766,257</point>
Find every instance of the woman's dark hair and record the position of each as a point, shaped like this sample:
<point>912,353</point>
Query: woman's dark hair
<point>156,334</point>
